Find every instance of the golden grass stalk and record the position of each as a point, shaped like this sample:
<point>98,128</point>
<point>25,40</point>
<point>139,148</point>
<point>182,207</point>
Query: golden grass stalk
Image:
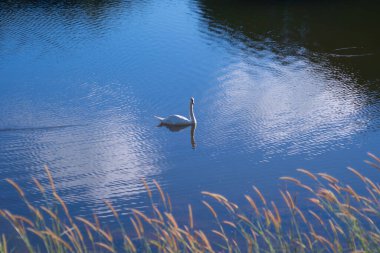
<point>51,181</point>
<point>301,215</point>
<point>253,204</point>
<point>160,191</point>
<point>147,188</point>
<point>317,217</point>
<point>105,246</point>
<point>324,241</point>
<point>18,189</point>
<point>308,173</point>
<point>357,173</point>
<point>63,204</point>
<point>129,243</point>
<point>260,195</point>
<point>221,235</point>
<point>210,208</point>
<point>291,179</point>
<point>229,223</point>
<point>142,215</point>
<point>278,217</point>
<point>206,242</point>
<point>50,213</point>
<point>191,220</point>
<point>172,220</point>
<point>88,223</point>
<point>3,244</point>
<point>328,195</point>
<point>39,185</point>
<point>110,206</point>
<point>57,239</point>
<point>328,177</point>
<point>217,197</point>
<point>137,230</point>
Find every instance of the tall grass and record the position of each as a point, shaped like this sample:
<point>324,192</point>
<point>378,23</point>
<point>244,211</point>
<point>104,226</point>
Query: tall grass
<point>333,217</point>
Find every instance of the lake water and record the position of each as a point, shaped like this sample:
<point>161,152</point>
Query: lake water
<point>277,86</point>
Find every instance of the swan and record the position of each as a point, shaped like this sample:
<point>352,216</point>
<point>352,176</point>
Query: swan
<point>179,120</point>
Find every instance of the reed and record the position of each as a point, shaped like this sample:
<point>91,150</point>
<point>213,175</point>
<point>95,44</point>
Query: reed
<point>329,216</point>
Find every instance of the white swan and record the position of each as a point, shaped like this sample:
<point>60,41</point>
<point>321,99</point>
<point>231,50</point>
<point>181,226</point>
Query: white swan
<point>178,120</point>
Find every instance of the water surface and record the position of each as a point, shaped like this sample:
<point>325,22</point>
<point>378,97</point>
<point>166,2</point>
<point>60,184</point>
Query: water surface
<point>277,86</point>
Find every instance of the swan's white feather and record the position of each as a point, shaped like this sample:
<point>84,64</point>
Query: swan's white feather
<point>179,120</point>
<point>176,120</point>
<point>159,118</point>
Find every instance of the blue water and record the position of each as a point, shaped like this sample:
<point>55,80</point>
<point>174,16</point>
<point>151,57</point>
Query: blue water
<point>276,87</point>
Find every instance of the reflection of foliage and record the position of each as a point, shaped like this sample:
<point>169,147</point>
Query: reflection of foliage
<point>334,218</point>
<point>344,31</point>
<point>318,24</point>
<point>94,9</point>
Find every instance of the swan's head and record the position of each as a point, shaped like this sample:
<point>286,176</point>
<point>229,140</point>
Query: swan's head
<point>192,100</point>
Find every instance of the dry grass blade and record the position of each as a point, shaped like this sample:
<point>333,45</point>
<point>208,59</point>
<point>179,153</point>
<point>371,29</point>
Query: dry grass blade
<point>357,173</point>
<point>377,159</point>
<point>374,165</point>
<point>137,230</point>
<point>205,240</point>
<point>317,217</point>
<point>143,216</point>
<point>63,204</point>
<point>172,220</point>
<point>39,185</point>
<point>110,206</point>
<point>57,239</point>
<point>88,223</point>
<point>291,179</point>
<point>129,243</point>
<point>324,241</point>
<point>328,195</point>
<point>105,246</point>
<point>308,173</point>
<point>210,208</point>
<point>51,181</point>
<point>191,220</point>
<point>217,197</point>
<point>147,188</point>
<point>260,195</point>
<point>23,219</point>
<point>18,189</point>
<point>51,214</point>
<point>229,223</point>
<point>3,244</point>
<point>160,191</point>
<point>253,204</point>
<point>220,235</point>
<point>278,217</point>
<point>329,178</point>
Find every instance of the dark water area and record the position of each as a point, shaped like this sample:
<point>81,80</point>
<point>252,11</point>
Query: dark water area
<point>277,86</point>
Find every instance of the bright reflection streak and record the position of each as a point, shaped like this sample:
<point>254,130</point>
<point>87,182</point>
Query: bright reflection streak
<point>105,158</point>
<point>297,108</point>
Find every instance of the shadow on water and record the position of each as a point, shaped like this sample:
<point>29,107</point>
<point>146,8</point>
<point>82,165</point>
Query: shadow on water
<point>345,33</point>
<point>180,128</point>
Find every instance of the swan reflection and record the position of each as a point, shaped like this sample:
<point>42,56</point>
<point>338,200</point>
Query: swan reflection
<point>174,128</point>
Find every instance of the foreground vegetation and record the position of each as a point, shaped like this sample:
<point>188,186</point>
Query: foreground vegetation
<point>332,217</point>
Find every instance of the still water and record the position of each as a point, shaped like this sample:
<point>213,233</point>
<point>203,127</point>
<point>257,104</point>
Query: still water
<point>277,86</point>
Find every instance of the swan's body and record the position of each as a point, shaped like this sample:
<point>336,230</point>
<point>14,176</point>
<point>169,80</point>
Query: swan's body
<point>179,120</point>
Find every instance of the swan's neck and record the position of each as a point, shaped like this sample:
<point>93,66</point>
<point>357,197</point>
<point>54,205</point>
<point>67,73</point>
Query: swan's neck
<point>192,117</point>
